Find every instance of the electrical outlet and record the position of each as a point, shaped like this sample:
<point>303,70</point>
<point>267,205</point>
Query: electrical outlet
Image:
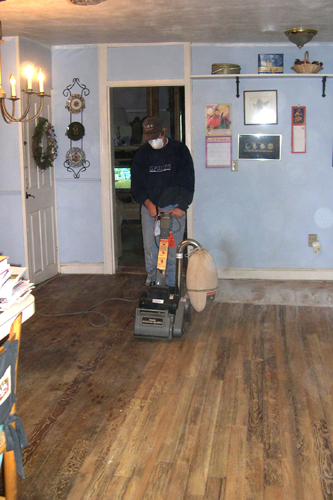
<point>312,239</point>
<point>234,166</point>
<point>316,247</point>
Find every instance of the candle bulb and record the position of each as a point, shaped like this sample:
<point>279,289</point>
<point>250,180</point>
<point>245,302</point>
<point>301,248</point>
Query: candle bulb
<point>29,71</point>
<point>12,82</point>
<point>40,77</point>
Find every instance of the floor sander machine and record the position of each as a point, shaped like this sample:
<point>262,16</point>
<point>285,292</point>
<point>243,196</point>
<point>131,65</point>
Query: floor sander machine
<point>162,312</point>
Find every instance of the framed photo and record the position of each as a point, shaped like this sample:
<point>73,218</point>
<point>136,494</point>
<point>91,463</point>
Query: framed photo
<point>270,63</point>
<point>260,107</point>
<point>259,147</point>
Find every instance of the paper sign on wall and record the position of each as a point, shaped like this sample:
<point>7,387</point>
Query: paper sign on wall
<point>218,152</point>
<point>218,135</point>
<point>298,128</point>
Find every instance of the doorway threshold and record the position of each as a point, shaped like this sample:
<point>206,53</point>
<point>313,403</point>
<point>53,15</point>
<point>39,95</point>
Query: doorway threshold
<point>131,270</point>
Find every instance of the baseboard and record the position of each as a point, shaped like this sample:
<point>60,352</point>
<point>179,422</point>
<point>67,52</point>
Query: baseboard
<point>225,273</point>
<point>79,268</point>
<point>276,274</point>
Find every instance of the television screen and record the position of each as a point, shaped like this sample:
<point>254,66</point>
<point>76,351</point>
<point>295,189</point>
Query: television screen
<point>122,177</point>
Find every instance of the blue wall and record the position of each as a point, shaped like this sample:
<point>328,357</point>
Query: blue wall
<point>145,62</point>
<point>260,217</point>
<point>79,200</point>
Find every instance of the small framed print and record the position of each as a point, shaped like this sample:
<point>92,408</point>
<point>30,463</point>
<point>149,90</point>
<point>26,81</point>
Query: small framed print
<point>270,63</point>
<point>259,147</point>
<point>260,107</point>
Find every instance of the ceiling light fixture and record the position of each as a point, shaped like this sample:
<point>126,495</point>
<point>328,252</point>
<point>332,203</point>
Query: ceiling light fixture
<point>300,36</point>
<point>86,2</point>
<point>29,72</point>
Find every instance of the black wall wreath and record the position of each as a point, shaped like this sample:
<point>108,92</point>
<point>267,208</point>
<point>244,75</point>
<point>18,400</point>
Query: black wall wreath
<point>44,159</point>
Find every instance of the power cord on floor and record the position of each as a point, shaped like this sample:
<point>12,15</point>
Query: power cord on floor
<point>88,311</point>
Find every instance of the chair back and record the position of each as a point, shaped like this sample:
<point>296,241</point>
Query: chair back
<point>8,379</point>
<point>8,369</point>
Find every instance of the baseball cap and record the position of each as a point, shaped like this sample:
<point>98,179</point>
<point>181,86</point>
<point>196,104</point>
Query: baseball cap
<point>151,128</point>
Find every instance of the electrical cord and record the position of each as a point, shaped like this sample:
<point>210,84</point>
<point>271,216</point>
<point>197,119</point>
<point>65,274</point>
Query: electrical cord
<point>88,311</point>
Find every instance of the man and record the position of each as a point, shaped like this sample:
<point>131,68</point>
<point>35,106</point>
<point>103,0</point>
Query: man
<point>162,180</point>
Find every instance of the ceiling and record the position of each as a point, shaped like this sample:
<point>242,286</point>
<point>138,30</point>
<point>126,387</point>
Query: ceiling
<point>59,22</point>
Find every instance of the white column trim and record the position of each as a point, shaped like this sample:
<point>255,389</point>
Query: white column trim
<point>188,122</point>
<point>106,180</point>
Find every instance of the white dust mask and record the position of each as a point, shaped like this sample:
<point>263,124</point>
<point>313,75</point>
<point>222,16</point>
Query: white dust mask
<point>156,143</point>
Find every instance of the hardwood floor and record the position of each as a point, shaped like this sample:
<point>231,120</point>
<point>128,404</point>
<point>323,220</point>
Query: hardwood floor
<point>239,408</point>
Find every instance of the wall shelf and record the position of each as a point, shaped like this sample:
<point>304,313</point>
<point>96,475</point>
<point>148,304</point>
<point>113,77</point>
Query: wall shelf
<point>237,77</point>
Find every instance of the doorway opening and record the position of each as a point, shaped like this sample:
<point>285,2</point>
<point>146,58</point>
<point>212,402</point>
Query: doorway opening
<point>130,105</point>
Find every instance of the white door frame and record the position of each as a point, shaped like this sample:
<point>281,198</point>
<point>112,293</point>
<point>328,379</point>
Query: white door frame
<point>107,191</point>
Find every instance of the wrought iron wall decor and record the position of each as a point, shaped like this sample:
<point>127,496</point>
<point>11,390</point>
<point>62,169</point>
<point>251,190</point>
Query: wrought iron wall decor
<point>76,161</point>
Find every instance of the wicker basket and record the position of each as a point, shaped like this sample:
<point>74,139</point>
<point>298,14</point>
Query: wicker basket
<point>307,67</point>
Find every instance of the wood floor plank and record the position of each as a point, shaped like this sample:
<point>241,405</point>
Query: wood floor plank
<point>214,489</point>
<point>271,419</point>
<point>324,452</point>
<point>157,487</point>
<point>234,373</point>
<point>252,485</point>
<point>212,388</point>
<point>298,447</point>
<point>192,362</point>
<point>145,466</point>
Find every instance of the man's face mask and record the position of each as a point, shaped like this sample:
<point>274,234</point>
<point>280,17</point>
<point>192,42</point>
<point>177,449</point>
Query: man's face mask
<point>156,143</point>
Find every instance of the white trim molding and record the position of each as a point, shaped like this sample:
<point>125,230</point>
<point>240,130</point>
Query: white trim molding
<point>226,274</point>
<point>276,274</point>
<point>80,268</point>
<point>106,168</point>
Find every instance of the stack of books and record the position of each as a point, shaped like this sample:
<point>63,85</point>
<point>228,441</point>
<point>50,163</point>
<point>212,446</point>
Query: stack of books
<point>13,288</point>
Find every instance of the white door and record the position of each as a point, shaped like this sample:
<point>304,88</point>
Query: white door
<point>40,207</point>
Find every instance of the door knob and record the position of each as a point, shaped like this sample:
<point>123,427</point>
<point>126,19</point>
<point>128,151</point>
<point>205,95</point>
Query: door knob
<point>28,195</point>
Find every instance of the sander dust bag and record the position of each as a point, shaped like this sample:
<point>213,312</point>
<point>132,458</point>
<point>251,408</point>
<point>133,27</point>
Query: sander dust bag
<point>201,279</point>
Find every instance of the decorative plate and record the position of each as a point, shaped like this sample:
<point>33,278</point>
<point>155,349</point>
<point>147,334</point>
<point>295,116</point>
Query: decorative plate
<point>75,157</point>
<point>75,103</point>
<point>75,131</point>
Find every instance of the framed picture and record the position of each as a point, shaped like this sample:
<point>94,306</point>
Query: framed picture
<point>259,147</point>
<point>270,63</point>
<point>260,107</point>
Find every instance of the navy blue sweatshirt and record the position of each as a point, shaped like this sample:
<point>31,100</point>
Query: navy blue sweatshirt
<point>166,172</point>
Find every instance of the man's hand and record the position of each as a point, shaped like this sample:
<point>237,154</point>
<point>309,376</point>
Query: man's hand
<point>151,208</point>
<point>177,213</point>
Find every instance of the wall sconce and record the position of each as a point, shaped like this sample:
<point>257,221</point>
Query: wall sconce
<point>300,36</point>
<point>29,71</point>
